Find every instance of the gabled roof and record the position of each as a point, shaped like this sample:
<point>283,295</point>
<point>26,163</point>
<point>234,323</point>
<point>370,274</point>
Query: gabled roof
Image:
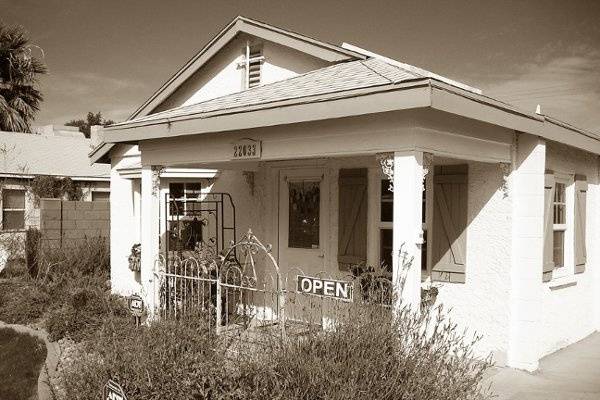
<point>27,154</point>
<point>305,44</point>
<point>333,79</point>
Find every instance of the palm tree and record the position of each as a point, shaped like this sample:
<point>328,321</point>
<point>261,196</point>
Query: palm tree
<point>19,71</point>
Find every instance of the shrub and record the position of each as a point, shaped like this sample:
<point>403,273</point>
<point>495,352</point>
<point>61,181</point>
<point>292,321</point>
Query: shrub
<point>169,359</point>
<point>89,257</point>
<point>43,186</point>
<point>368,354</point>
<point>14,268</point>
<point>83,313</point>
<point>22,302</point>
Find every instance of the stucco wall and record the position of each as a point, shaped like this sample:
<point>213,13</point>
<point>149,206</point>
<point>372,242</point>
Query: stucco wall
<point>481,304</point>
<point>125,223</point>
<point>569,311</point>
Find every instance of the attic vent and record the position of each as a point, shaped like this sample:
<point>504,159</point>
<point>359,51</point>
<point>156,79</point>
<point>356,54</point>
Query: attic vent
<point>254,60</point>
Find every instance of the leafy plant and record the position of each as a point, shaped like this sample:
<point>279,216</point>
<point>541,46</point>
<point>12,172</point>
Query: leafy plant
<point>19,71</point>
<point>52,187</point>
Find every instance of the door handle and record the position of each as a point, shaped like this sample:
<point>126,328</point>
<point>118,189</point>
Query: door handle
<point>321,255</point>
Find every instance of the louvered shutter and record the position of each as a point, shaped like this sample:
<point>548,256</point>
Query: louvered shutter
<point>549,186</point>
<point>580,225</point>
<point>352,234</point>
<point>449,239</point>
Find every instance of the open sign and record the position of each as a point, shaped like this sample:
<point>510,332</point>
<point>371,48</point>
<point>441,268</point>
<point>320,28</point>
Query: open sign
<point>113,391</point>
<point>341,290</point>
<point>136,305</point>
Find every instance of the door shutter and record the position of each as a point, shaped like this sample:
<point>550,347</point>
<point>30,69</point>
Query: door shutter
<point>580,217</point>
<point>449,241</point>
<point>352,205</point>
<point>548,226</point>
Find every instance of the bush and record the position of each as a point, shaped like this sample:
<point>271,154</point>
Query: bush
<point>44,186</point>
<point>22,302</point>
<point>169,359</point>
<point>83,313</point>
<point>367,355</point>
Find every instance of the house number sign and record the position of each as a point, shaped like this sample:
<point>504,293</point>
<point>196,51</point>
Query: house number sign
<point>246,149</point>
<point>340,290</point>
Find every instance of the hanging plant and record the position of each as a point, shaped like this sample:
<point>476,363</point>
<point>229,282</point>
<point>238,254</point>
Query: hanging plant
<point>135,257</point>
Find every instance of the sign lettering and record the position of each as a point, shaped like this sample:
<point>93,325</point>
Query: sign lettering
<point>136,305</point>
<point>113,391</point>
<point>341,290</point>
<point>247,149</point>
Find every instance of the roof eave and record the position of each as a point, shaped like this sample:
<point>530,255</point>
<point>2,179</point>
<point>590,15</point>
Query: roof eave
<point>437,95</point>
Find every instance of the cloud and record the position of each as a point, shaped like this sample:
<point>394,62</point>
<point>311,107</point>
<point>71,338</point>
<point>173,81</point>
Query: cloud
<point>567,87</point>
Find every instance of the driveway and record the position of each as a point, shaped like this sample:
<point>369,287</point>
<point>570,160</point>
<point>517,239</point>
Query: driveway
<point>572,373</point>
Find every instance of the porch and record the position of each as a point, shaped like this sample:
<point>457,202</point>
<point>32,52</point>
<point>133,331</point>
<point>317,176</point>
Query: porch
<point>320,194</point>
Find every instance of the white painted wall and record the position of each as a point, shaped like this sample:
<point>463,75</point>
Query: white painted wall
<point>481,304</point>
<point>125,206</point>
<point>569,313</point>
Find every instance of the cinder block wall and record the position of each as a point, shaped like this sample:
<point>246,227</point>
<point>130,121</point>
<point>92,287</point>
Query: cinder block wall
<point>65,222</point>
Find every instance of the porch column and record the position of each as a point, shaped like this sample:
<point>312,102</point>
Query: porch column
<point>150,234</point>
<point>527,189</point>
<point>408,229</point>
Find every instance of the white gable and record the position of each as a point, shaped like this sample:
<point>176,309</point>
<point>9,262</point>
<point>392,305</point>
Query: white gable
<point>224,73</point>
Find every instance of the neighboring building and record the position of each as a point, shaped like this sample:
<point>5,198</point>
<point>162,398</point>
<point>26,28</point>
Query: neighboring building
<point>59,151</point>
<point>499,207</point>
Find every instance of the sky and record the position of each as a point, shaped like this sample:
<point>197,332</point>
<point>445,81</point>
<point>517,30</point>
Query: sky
<point>111,55</point>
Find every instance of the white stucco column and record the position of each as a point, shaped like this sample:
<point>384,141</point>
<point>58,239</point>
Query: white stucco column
<point>527,192</point>
<point>150,234</point>
<point>408,229</point>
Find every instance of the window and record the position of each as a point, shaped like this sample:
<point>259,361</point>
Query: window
<point>559,223</point>
<point>13,209</point>
<point>304,206</point>
<point>100,196</point>
<point>253,65</point>
<point>184,222</point>
<point>386,220</point>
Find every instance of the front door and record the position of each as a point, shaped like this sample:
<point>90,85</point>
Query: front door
<point>303,222</point>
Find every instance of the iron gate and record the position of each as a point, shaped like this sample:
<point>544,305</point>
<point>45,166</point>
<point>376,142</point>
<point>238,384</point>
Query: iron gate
<point>244,288</point>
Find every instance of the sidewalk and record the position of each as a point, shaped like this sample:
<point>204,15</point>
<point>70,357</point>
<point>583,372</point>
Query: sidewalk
<point>572,373</point>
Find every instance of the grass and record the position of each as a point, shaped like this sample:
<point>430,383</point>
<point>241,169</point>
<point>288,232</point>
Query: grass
<point>21,359</point>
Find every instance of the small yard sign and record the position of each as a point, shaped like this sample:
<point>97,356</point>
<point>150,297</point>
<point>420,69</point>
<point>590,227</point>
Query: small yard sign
<point>341,290</point>
<point>136,307</point>
<point>113,391</point>
<point>246,149</point>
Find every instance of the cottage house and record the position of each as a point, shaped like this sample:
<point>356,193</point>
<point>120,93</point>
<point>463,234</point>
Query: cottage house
<point>338,156</point>
<point>51,150</point>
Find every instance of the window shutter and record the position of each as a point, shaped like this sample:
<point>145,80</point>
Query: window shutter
<point>580,217</point>
<point>548,267</point>
<point>352,233</point>
<point>449,239</point>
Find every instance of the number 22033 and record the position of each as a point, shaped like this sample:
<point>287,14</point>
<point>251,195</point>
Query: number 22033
<point>244,150</point>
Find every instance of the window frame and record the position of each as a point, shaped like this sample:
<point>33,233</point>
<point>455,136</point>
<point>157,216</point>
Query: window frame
<point>389,225</point>
<point>568,267</point>
<point>17,188</point>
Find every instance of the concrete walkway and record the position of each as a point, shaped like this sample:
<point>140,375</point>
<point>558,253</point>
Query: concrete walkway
<point>572,373</point>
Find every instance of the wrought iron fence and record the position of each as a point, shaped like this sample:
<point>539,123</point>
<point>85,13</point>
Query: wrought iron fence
<point>244,288</point>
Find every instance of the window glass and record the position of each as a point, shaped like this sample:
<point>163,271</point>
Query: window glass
<point>100,196</point>
<point>560,204</point>
<point>560,220</point>
<point>304,200</point>
<point>559,248</point>
<point>13,199</point>
<point>13,209</point>
<point>386,242</point>
<point>387,202</point>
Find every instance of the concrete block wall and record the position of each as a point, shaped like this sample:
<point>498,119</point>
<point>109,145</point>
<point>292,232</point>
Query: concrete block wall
<point>63,222</point>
